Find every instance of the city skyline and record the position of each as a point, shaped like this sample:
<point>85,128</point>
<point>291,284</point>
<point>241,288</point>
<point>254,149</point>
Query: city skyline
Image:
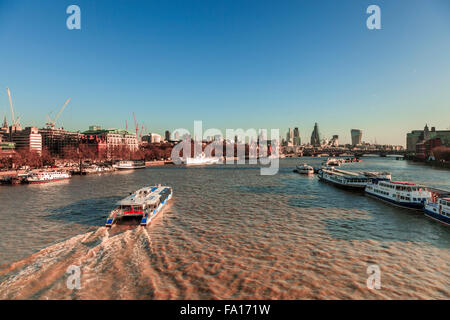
<point>286,66</point>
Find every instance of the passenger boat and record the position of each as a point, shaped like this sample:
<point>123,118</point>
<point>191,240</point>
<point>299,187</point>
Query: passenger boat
<point>305,169</point>
<point>402,194</point>
<point>144,204</point>
<point>129,165</point>
<point>344,179</point>
<point>200,160</point>
<point>438,209</point>
<point>45,177</point>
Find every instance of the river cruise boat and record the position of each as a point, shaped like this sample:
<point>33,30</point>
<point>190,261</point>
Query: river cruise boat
<point>402,194</point>
<point>200,160</point>
<point>46,177</point>
<point>144,204</point>
<point>129,165</point>
<point>305,169</point>
<point>438,209</point>
<point>344,179</point>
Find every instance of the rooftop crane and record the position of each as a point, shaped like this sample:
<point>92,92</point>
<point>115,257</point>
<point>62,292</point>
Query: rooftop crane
<point>51,123</point>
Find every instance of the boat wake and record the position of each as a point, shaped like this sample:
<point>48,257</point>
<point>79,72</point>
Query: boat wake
<point>105,259</point>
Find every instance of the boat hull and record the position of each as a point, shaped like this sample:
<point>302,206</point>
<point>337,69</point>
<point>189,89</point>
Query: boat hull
<point>358,188</point>
<point>436,216</point>
<point>406,205</point>
<point>45,181</point>
<point>129,168</point>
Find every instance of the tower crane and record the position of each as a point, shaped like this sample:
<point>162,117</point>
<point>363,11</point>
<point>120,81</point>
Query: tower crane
<point>135,125</point>
<point>51,123</point>
<point>15,122</point>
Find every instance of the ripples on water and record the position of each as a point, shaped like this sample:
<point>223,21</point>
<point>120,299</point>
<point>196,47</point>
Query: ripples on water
<point>228,233</point>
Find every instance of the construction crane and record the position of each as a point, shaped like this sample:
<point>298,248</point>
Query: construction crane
<point>51,123</point>
<point>135,125</point>
<point>142,131</point>
<point>15,122</point>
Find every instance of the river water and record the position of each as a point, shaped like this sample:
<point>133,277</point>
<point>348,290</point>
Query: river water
<point>228,233</point>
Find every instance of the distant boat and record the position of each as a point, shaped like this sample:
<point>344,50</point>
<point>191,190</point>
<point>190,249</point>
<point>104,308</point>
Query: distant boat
<point>304,169</point>
<point>200,160</point>
<point>130,165</point>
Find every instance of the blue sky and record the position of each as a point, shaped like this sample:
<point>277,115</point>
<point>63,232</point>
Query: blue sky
<point>233,64</point>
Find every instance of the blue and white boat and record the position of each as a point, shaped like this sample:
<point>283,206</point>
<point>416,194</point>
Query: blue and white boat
<point>144,204</point>
<point>402,194</point>
<point>439,209</point>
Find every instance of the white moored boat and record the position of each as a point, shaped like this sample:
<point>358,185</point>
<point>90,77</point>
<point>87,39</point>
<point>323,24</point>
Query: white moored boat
<point>129,165</point>
<point>403,194</point>
<point>304,169</point>
<point>45,177</point>
<point>144,204</point>
<point>439,209</point>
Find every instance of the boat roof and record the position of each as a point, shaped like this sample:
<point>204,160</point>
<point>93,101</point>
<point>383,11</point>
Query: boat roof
<point>146,195</point>
<point>404,183</point>
<point>344,173</point>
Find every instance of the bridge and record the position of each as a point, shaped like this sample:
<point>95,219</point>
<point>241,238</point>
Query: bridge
<point>332,152</point>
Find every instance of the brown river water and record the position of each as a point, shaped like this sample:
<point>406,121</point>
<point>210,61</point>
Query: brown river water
<point>228,233</point>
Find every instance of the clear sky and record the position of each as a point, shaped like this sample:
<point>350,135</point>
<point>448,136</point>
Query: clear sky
<point>233,64</point>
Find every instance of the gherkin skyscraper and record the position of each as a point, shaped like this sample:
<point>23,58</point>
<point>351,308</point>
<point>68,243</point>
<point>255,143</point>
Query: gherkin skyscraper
<point>315,136</point>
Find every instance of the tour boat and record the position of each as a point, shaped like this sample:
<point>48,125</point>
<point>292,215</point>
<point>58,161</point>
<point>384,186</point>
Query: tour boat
<point>438,209</point>
<point>344,179</point>
<point>402,194</point>
<point>129,165</point>
<point>304,169</point>
<point>45,177</point>
<point>144,204</point>
<point>200,160</point>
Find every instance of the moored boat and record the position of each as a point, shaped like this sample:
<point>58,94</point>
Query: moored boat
<point>438,208</point>
<point>129,165</point>
<point>46,177</point>
<point>402,194</point>
<point>346,180</point>
<point>305,169</point>
<point>144,204</point>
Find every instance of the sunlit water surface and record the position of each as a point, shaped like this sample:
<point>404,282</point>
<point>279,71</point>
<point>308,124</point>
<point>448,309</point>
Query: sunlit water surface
<point>228,233</point>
